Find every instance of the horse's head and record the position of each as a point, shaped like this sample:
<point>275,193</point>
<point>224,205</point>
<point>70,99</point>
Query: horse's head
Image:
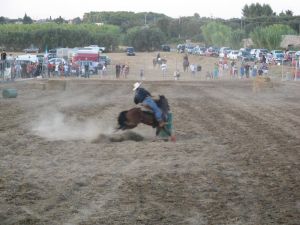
<point>129,119</point>
<point>122,121</point>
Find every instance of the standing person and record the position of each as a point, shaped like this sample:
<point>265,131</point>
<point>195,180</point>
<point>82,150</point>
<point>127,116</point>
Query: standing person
<point>56,69</point>
<point>216,71</point>
<point>86,70</point>
<point>18,70</point>
<point>263,59</point>
<point>118,70</point>
<point>3,55</point>
<point>143,96</point>
<point>142,74</point>
<point>158,57</point>
<point>242,70</point>
<point>164,69</point>
<point>247,70</point>
<point>232,64</point>
<point>254,70</point>
<point>104,70</point>
<point>3,60</point>
<point>193,69</point>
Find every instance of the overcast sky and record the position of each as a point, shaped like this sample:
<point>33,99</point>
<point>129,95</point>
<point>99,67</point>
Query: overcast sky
<point>69,9</point>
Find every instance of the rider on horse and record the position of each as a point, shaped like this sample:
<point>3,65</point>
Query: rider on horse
<point>144,97</point>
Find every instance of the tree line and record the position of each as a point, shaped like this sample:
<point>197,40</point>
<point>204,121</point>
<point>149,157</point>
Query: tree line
<point>147,30</point>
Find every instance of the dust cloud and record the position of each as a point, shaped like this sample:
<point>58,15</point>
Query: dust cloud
<point>58,126</point>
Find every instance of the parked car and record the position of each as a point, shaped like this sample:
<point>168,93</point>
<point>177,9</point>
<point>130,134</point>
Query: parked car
<point>57,61</point>
<point>93,66</point>
<point>181,48</point>
<point>130,51</point>
<point>50,56</point>
<point>245,56</point>
<point>224,51</point>
<point>233,54</point>
<point>246,49</point>
<point>278,56</point>
<point>104,59</point>
<point>189,48</point>
<point>165,48</point>
<point>260,52</point>
<point>212,51</point>
<point>199,50</point>
<point>253,52</point>
<point>31,50</point>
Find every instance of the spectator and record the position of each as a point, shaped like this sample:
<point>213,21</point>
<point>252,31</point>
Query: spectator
<point>242,70</point>
<point>118,70</point>
<point>254,70</point>
<point>164,68</point>
<point>86,70</point>
<point>247,70</point>
<point>142,74</point>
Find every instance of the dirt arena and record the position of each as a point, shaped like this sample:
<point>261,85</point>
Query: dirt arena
<point>235,161</point>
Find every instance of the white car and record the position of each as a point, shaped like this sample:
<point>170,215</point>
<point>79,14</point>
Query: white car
<point>233,54</point>
<point>57,61</point>
<point>224,51</point>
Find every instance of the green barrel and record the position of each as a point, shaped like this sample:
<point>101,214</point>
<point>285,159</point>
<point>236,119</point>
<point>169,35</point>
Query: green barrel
<point>9,93</point>
<point>168,127</point>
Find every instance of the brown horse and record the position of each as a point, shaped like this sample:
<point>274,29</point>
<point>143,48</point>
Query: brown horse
<point>129,119</point>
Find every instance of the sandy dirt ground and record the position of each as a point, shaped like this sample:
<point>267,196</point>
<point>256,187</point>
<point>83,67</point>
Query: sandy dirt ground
<point>235,161</point>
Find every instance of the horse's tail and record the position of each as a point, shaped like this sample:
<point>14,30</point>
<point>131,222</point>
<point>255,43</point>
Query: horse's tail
<point>121,120</point>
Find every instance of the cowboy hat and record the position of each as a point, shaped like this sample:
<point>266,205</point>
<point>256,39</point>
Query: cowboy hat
<point>136,85</point>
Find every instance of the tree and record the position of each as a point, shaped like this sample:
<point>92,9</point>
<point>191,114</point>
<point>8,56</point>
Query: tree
<point>2,20</point>
<point>286,13</point>
<point>270,37</point>
<point>257,10</point>
<point>27,19</point>
<point>145,39</point>
<point>76,20</point>
<point>59,20</point>
<point>236,38</point>
<point>216,33</point>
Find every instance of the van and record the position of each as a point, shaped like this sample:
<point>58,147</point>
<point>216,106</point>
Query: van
<point>130,51</point>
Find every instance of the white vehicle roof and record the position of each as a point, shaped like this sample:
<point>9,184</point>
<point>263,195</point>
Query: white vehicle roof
<point>27,57</point>
<point>87,50</point>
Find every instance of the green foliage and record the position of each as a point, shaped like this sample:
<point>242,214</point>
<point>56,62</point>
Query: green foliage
<point>144,38</point>
<point>286,13</point>
<point>236,38</point>
<point>59,20</point>
<point>124,27</point>
<point>27,19</point>
<point>270,37</point>
<point>2,20</point>
<point>125,20</point>
<point>216,34</point>
<point>54,35</point>
<point>257,10</point>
